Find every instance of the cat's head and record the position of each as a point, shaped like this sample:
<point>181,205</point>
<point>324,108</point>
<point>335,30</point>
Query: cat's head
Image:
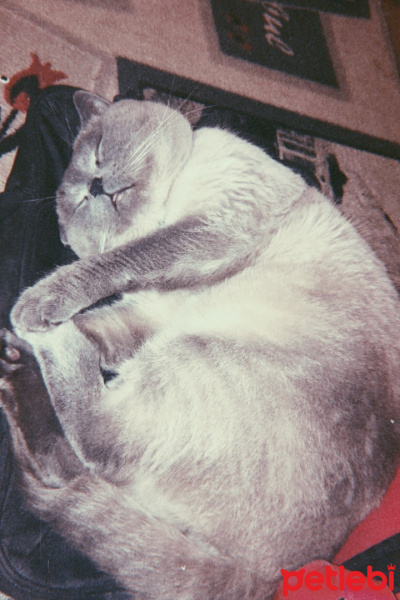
<point>125,159</point>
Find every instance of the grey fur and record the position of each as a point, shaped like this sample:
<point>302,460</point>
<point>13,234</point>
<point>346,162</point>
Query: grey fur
<point>254,417</point>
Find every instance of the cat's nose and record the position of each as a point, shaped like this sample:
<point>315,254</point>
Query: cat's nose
<point>96,187</point>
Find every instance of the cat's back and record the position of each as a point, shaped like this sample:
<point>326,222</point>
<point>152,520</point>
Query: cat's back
<point>224,169</point>
<point>284,371</point>
<point>314,307</point>
<point>313,279</point>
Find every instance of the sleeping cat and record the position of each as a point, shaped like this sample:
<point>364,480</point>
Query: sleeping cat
<point>254,341</point>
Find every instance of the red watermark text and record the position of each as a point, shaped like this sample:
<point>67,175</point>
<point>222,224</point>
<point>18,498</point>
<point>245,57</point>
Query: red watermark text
<point>336,579</point>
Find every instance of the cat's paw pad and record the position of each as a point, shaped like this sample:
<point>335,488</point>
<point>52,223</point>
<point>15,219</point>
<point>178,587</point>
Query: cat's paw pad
<point>42,307</point>
<point>13,353</point>
<point>33,312</point>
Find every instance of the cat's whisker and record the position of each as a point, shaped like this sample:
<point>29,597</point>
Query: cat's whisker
<point>143,150</point>
<point>103,236</point>
<point>144,147</point>
<point>63,119</point>
<point>148,144</point>
<point>170,93</point>
<point>70,130</point>
<point>187,99</point>
<point>46,200</point>
<point>199,109</point>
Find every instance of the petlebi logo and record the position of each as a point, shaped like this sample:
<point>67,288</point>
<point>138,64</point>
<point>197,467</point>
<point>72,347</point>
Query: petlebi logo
<point>323,578</point>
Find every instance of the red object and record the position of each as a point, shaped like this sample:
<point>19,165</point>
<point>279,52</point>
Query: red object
<point>381,523</point>
<point>45,74</point>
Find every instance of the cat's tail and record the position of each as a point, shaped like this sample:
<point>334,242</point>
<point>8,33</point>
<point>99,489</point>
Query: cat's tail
<point>148,557</point>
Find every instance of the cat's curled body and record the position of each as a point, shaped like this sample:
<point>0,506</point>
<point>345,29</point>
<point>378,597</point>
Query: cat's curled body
<point>253,419</point>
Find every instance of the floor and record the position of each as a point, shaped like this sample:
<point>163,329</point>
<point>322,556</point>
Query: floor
<point>180,37</point>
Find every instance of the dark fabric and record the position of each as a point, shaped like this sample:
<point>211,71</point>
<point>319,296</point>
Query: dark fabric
<point>35,563</point>
<point>29,241</point>
<point>379,557</point>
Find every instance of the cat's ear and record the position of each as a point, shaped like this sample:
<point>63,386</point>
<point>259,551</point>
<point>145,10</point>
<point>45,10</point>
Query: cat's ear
<point>89,105</point>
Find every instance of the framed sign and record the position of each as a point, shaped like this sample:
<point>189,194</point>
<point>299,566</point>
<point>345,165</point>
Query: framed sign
<point>391,14</point>
<point>351,8</point>
<point>275,36</point>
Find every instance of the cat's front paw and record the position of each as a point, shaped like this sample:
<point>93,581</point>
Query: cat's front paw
<point>42,306</point>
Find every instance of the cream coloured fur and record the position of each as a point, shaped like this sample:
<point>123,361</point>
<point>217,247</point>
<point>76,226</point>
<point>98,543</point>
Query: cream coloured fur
<point>253,418</point>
